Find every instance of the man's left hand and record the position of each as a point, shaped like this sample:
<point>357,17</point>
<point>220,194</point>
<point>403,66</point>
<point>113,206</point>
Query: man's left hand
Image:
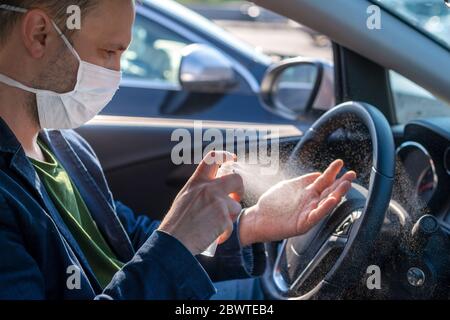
<point>293,207</point>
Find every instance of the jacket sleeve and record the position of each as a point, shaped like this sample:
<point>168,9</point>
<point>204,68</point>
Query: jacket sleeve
<point>20,277</point>
<point>161,269</point>
<point>138,227</point>
<point>232,261</point>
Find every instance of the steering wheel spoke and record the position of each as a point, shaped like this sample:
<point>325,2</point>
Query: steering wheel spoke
<point>333,242</point>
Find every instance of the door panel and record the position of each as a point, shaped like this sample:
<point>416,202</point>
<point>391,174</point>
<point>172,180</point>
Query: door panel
<point>176,104</point>
<point>136,156</point>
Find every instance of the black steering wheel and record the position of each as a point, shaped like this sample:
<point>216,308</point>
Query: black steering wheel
<point>333,256</point>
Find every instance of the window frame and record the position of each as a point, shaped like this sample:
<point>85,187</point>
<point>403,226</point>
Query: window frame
<point>356,78</point>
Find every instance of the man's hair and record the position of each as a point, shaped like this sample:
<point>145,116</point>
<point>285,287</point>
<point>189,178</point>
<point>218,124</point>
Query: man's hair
<point>57,10</point>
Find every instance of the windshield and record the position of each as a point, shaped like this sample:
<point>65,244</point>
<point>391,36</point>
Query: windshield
<point>430,16</point>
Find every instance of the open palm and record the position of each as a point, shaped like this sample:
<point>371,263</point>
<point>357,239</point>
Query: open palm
<point>293,207</point>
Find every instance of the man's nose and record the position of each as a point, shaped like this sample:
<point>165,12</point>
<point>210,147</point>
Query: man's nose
<point>117,64</point>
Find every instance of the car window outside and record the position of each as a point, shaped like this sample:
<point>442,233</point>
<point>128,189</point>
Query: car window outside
<point>429,16</point>
<point>154,54</point>
<point>414,102</point>
<point>151,65</point>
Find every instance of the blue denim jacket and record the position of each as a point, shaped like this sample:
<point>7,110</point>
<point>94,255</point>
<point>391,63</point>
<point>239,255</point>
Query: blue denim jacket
<point>40,259</point>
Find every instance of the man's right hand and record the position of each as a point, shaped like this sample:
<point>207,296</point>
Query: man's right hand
<point>203,210</point>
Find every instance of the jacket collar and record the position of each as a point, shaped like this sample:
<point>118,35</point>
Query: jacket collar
<point>8,141</point>
<point>15,157</point>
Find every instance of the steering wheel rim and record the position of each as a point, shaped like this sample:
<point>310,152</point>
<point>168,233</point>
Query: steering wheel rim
<point>364,229</point>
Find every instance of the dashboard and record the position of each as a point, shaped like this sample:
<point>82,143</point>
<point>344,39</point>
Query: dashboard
<point>418,169</point>
<point>411,241</point>
<point>424,158</point>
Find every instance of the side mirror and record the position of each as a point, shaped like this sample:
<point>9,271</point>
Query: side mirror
<point>291,88</point>
<point>206,70</point>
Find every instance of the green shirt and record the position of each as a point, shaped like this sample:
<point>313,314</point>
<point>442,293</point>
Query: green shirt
<point>77,217</point>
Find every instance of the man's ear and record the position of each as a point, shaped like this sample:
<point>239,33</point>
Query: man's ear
<point>36,32</point>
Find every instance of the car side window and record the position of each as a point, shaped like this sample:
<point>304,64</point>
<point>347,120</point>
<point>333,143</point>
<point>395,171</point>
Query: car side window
<point>154,54</point>
<point>414,102</point>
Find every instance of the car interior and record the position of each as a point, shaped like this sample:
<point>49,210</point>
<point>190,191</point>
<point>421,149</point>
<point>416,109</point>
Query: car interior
<point>397,216</point>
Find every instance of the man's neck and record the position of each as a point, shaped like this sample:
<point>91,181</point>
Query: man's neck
<point>16,110</point>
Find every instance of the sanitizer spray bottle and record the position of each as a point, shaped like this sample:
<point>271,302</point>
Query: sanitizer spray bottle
<point>225,169</point>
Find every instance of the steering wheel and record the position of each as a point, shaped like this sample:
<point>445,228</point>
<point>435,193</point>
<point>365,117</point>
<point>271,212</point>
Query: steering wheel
<point>333,256</point>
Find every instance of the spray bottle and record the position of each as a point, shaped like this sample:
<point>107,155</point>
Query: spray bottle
<point>225,169</point>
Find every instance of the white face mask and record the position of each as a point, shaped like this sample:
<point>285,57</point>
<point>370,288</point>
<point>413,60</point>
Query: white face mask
<point>94,89</point>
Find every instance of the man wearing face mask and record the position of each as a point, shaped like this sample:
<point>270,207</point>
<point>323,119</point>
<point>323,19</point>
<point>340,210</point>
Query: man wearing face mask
<point>62,235</point>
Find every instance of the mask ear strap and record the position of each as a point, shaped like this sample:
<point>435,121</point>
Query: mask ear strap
<point>8,7</point>
<point>13,83</point>
<point>66,41</point>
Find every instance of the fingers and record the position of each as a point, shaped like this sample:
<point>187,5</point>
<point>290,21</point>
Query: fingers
<point>328,204</point>
<point>226,235</point>
<point>207,169</point>
<point>320,212</point>
<point>328,177</point>
<point>307,179</point>
<point>348,176</point>
<point>341,190</point>
<point>231,183</point>
<point>234,208</point>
